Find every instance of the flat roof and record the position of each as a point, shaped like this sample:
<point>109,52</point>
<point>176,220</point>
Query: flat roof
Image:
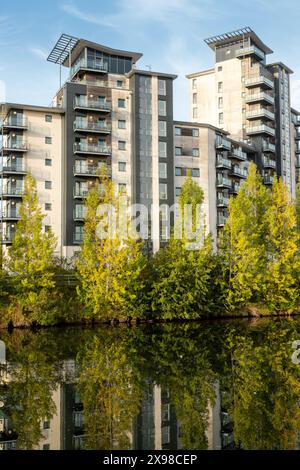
<point>199,124</point>
<point>203,72</point>
<point>68,45</point>
<point>5,107</point>
<point>238,34</point>
<point>150,72</point>
<point>282,65</point>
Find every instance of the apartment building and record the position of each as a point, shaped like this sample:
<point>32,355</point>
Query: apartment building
<point>295,142</point>
<point>248,98</point>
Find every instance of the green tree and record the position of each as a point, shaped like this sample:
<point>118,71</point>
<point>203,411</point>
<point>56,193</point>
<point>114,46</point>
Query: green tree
<point>31,261</point>
<point>281,277</point>
<point>110,266</point>
<point>242,243</point>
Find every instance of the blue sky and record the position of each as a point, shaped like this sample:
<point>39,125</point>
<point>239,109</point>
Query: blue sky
<point>169,33</point>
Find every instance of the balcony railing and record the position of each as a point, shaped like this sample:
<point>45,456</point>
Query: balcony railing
<point>80,147</point>
<point>268,179</point>
<point>8,237</point>
<point>261,129</point>
<point>256,113</point>
<point>239,154</point>
<point>10,213</point>
<point>259,80</point>
<point>16,121</point>
<point>222,201</point>
<point>81,192</point>
<point>79,214</point>
<point>235,187</point>
<point>77,237</point>
<point>223,162</point>
<point>221,220</point>
<point>89,65</point>
<point>263,96</point>
<point>12,191</point>
<point>103,170</point>
<point>17,168</point>
<point>268,163</point>
<point>240,172</point>
<point>86,103</point>
<point>18,145</point>
<point>92,127</point>
<point>223,181</point>
<point>222,143</point>
<point>250,50</point>
<point>268,147</point>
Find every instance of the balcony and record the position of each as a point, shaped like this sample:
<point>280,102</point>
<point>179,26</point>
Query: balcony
<point>268,147</point>
<point>259,80</point>
<point>222,143</point>
<point>223,162</point>
<point>89,65</point>
<point>93,127</point>
<point>261,129</point>
<point>13,169</point>
<point>297,162</point>
<point>239,172</point>
<point>84,103</point>
<point>262,96</point>
<point>269,163</point>
<point>17,146</point>
<point>80,192</point>
<point>79,214</point>
<point>222,201</point>
<point>10,214</point>
<point>77,238</point>
<point>15,122</point>
<point>238,154</point>
<point>260,113</point>
<point>91,149</point>
<point>8,237</point>
<point>223,182</point>
<point>235,188</point>
<point>221,220</point>
<point>12,191</point>
<point>268,179</point>
<point>250,50</point>
<point>94,171</point>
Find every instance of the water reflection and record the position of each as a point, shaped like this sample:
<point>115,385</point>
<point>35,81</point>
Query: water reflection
<point>222,385</point>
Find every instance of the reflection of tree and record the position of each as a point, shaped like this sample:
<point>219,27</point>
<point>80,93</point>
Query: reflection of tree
<point>110,394</point>
<point>266,389</point>
<point>31,378</point>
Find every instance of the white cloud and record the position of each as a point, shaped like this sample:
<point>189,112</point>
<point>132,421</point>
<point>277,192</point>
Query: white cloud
<point>40,53</point>
<point>90,18</point>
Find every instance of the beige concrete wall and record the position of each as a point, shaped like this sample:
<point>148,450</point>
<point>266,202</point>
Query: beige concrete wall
<point>206,98</point>
<point>155,166</point>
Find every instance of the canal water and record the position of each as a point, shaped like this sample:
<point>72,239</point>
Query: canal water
<point>208,385</point>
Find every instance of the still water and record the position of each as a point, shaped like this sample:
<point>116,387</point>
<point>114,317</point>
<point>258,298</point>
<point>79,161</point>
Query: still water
<point>218,385</point>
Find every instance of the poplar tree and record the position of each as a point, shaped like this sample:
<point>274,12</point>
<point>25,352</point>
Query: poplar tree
<point>31,260</point>
<point>109,267</point>
<point>242,243</point>
<point>282,275</point>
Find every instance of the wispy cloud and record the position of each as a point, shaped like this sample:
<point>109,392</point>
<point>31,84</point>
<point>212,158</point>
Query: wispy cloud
<point>38,52</point>
<point>72,10</point>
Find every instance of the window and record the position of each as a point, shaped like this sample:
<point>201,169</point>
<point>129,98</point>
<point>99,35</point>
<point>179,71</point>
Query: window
<point>162,108</point>
<point>195,152</point>
<point>46,425</point>
<point>121,124</point>
<point>195,132</point>
<point>178,151</point>
<point>165,412</point>
<point>220,68</point>
<point>165,435</point>
<point>48,140</point>
<point>221,118</point>
<point>47,228</point>
<point>162,128</point>
<point>119,83</point>
<point>121,103</point>
<point>195,113</point>
<point>220,87</point>
<point>162,170</point>
<point>162,89</point>
<point>48,117</point>
<point>48,184</point>
<point>220,102</point>
<point>48,161</point>
<point>48,206</point>
<point>163,191</point>
<point>122,166</point>
<point>46,446</point>
<point>122,188</point>
<point>194,83</point>
<point>178,171</point>
<point>121,145</point>
<point>162,149</point>
<point>195,172</point>
<point>177,130</point>
<point>177,191</point>
<point>194,98</point>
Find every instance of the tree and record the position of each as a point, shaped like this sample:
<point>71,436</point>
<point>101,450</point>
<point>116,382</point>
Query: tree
<point>281,277</point>
<point>242,243</point>
<point>111,261</point>
<point>31,261</point>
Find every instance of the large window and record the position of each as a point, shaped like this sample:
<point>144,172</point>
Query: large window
<point>178,151</point>
<point>162,128</point>
<point>163,191</point>
<point>162,170</point>
<point>162,89</point>
<point>162,149</point>
<point>194,98</point>
<point>220,87</point>
<point>121,103</point>
<point>162,108</point>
